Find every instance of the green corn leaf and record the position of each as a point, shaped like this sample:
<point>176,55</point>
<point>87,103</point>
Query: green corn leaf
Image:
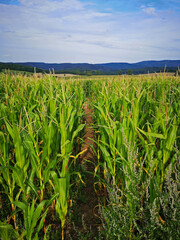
<point>172,136</point>
<point>33,187</point>
<point>37,213</point>
<point>147,134</point>
<point>19,177</point>
<point>108,158</point>
<point>22,205</point>
<point>75,133</point>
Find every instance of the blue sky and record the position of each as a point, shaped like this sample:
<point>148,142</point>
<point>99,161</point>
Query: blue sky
<point>10,2</point>
<point>94,31</point>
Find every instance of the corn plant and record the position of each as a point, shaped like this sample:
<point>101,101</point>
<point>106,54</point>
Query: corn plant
<point>40,125</point>
<point>136,121</point>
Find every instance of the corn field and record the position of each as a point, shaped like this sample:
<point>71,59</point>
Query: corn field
<point>137,137</point>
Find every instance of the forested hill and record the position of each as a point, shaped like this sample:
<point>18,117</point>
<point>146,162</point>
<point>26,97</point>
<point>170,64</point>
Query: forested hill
<point>19,67</point>
<point>103,68</point>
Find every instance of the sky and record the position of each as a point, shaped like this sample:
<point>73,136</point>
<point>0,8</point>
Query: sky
<point>91,31</point>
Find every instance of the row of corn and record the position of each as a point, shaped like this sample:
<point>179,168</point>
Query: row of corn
<point>137,135</point>
<point>137,126</point>
<point>40,122</point>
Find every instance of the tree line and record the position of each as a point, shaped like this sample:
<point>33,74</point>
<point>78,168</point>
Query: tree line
<point>23,68</point>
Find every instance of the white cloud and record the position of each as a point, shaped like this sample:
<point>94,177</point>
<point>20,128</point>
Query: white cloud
<point>68,31</point>
<point>6,56</point>
<point>149,10</point>
<point>49,5</point>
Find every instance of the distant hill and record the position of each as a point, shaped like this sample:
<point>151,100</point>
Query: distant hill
<point>104,68</point>
<point>143,64</point>
<point>65,66</point>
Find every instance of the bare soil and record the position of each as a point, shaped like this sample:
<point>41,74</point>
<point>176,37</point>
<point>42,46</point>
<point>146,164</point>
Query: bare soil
<point>88,209</point>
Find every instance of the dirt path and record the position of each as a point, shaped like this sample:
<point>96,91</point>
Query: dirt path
<point>88,208</point>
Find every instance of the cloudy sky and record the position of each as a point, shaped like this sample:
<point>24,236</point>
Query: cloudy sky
<point>93,31</point>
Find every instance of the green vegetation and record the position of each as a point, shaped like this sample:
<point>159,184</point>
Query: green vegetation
<point>136,121</point>
<point>82,69</point>
<point>120,72</point>
<point>40,122</point>
<point>19,68</point>
<point>138,136</point>
<point>129,72</point>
